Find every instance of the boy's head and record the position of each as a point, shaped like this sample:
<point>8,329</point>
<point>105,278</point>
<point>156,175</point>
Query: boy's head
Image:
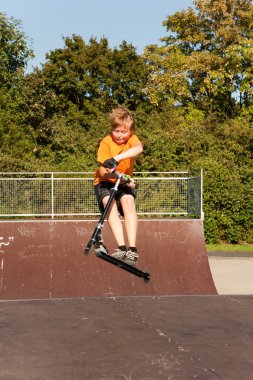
<point>122,123</point>
<point>122,117</point>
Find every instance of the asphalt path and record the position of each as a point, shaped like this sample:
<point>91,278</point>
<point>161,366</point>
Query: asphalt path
<point>232,272</point>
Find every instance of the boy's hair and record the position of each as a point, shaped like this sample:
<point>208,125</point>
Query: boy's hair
<point>121,116</point>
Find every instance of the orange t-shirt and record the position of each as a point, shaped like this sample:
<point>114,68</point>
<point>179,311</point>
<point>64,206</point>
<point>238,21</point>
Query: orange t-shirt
<point>108,148</point>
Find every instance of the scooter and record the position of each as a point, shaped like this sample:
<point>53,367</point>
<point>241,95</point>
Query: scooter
<point>96,240</point>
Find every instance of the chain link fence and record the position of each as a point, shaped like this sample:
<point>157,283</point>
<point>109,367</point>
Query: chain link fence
<point>71,194</point>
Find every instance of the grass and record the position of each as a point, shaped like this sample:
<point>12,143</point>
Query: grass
<point>230,247</point>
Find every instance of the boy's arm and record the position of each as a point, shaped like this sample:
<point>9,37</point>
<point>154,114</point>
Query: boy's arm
<point>134,151</point>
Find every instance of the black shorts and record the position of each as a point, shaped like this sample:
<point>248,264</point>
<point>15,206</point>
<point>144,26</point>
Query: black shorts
<point>102,190</point>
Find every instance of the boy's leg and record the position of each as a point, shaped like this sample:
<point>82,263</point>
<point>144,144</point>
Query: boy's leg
<point>131,221</point>
<point>115,222</point>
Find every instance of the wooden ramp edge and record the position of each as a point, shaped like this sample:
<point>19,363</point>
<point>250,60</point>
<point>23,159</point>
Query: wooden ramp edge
<point>44,260</point>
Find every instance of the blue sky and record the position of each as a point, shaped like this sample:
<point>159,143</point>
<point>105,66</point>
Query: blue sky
<point>45,22</point>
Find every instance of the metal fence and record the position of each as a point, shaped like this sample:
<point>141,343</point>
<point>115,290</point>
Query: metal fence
<point>71,194</point>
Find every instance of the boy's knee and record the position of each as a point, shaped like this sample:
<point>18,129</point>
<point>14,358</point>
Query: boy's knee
<point>127,201</point>
<point>104,201</point>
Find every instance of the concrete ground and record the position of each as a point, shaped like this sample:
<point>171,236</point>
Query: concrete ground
<point>232,272</point>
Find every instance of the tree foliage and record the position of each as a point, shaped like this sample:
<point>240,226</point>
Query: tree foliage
<point>14,51</point>
<point>207,57</point>
<point>94,78</point>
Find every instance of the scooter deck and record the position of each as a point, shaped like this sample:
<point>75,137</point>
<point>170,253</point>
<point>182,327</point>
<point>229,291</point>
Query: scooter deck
<point>121,264</point>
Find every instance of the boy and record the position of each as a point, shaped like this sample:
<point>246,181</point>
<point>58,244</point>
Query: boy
<point>118,150</point>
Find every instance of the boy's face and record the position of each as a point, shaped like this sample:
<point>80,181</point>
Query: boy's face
<point>121,133</point>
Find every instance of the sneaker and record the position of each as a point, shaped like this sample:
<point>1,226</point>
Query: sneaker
<point>131,258</point>
<point>119,254</point>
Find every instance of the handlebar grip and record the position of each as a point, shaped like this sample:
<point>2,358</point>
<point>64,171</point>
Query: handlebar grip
<point>125,178</point>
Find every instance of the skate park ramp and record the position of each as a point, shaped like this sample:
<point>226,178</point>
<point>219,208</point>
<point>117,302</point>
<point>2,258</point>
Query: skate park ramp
<point>44,260</point>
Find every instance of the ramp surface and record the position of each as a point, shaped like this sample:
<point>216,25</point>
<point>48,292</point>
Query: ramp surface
<point>44,259</point>
<point>134,338</point>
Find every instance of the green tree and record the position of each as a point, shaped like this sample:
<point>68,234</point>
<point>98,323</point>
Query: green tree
<point>206,58</point>
<point>129,74</point>
<point>14,51</point>
<point>14,55</point>
<point>88,79</point>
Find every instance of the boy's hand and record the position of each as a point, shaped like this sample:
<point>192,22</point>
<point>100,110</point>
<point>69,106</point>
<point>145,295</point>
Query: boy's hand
<point>132,184</point>
<point>111,163</point>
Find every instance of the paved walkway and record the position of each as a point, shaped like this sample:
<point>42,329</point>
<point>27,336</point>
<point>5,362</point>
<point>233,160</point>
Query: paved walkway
<point>232,272</point>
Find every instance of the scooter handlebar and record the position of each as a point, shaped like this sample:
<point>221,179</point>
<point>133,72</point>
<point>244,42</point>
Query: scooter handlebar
<point>125,177</point>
